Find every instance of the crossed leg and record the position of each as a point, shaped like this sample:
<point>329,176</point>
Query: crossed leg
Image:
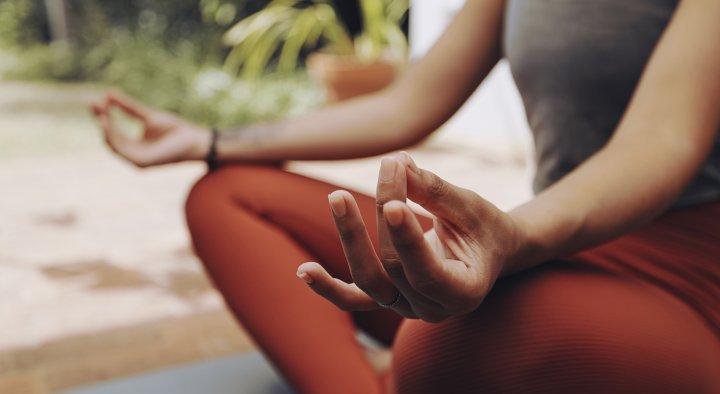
<point>556,328</point>
<point>560,328</point>
<point>252,226</point>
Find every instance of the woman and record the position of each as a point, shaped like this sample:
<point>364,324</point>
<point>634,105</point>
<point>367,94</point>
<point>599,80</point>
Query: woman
<point>608,280</point>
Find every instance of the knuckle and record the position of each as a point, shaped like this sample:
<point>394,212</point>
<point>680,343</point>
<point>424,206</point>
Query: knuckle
<point>472,223</point>
<point>394,268</point>
<point>402,240</point>
<point>349,232</point>
<point>347,235</point>
<point>380,202</point>
<point>382,197</point>
<point>365,282</point>
<point>468,195</point>
<point>436,187</point>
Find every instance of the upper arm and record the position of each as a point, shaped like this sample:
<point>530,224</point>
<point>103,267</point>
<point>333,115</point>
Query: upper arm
<point>677,101</point>
<point>436,86</point>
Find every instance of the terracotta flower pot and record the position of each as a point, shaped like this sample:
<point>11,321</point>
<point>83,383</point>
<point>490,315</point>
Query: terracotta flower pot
<point>343,77</point>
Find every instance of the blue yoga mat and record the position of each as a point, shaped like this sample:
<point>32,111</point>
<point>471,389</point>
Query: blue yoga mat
<point>248,373</point>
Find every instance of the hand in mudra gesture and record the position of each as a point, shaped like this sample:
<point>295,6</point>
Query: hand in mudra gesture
<point>432,276</point>
<point>166,137</point>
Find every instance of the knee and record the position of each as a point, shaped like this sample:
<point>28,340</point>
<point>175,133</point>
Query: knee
<point>211,204</point>
<point>232,183</point>
<point>211,196</point>
<point>233,188</point>
<point>554,335</point>
<point>426,359</point>
<point>201,198</point>
<point>574,357</point>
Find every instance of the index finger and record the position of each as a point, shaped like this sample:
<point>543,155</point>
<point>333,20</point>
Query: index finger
<point>97,108</point>
<point>128,105</point>
<point>122,145</point>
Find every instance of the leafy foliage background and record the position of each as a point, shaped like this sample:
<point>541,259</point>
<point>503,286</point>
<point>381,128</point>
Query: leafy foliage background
<point>167,53</point>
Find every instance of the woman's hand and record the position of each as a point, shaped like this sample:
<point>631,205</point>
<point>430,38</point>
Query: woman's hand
<point>474,242</point>
<point>167,138</point>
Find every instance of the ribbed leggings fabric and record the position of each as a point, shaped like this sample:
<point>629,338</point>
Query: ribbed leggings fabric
<point>640,314</point>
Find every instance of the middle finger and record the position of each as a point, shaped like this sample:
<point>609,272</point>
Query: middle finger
<point>392,185</point>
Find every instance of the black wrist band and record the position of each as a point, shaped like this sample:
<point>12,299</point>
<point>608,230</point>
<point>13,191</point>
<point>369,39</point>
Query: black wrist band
<point>211,157</point>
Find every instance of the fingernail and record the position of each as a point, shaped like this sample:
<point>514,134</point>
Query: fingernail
<point>304,276</point>
<point>393,214</point>
<point>337,204</point>
<point>387,169</point>
<point>410,162</point>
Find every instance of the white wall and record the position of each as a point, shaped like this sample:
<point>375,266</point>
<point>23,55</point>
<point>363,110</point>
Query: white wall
<point>493,118</point>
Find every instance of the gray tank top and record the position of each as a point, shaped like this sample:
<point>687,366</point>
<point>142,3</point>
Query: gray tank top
<point>576,64</point>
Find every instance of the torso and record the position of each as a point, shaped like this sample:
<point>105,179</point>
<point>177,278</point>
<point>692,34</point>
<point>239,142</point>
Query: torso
<point>576,64</point>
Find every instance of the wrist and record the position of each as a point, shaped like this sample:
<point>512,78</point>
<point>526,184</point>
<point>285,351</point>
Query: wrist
<point>528,250</point>
<point>201,143</point>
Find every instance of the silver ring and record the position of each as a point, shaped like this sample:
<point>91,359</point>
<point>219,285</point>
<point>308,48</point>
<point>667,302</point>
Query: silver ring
<point>393,303</point>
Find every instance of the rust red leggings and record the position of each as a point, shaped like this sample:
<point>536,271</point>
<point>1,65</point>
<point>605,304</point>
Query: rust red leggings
<point>636,315</point>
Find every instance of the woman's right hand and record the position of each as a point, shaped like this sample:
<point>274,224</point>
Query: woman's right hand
<point>167,138</point>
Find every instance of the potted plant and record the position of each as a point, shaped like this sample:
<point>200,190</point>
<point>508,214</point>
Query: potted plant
<point>346,66</point>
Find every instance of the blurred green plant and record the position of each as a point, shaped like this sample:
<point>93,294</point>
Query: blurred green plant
<point>289,26</point>
<point>15,16</point>
<point>173,79</point>
<point>168,53</point>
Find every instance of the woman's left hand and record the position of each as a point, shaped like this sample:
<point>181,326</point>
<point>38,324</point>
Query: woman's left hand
<point>445,272</point>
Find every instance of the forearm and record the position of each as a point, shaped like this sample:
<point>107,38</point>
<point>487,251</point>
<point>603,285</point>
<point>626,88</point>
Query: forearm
<point>365,126</point>
<point>426,95</point>
<point>617,190</point>
<point>664,137</point>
